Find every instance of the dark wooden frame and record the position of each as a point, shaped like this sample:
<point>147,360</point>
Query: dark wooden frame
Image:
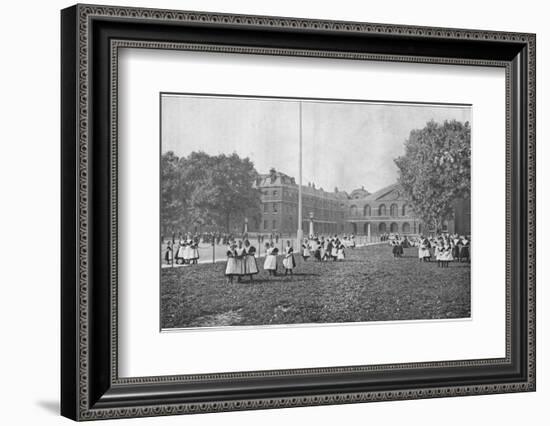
<point>90,38</point>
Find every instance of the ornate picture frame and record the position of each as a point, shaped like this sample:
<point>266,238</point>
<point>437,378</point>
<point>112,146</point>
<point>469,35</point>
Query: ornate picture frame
<point>91,37</point>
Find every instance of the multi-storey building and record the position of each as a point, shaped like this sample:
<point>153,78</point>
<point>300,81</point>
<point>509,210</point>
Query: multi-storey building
<point>385,211</point>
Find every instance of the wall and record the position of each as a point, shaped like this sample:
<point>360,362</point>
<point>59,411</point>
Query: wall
<point>29,176</point>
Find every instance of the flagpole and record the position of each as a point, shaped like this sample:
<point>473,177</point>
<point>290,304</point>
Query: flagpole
<point>300,233</point>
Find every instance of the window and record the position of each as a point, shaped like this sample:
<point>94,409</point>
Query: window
<point>353,210</point>
<point>274,208</point>
<point>394,210</point>
<point>274,224</point>
<point>406,228</point>
<point>275,193</point>
<point>265,224</point>
<point>266,207</point>
<point>382,212</point>
<point>394,228</point>
<point>366,210</point>
<point>382,228</point>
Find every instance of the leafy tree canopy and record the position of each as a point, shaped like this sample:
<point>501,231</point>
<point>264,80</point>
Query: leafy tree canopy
<point>435,170</point>
<point>207,191</point>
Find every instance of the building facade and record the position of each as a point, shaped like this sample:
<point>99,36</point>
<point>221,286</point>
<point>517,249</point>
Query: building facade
<point>360,212</point>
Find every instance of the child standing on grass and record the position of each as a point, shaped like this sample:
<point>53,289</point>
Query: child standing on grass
<point>446,255</point>
<point>288,262</point>
<point>270,263</point>
<point>438,253</point>
<point>194,252</point>
<point>341,253</point>
<point>168,253</point>
<point>305,250</point>
<point>424,250</point>
<point>240,260</point>
<point>250,266</point>
<point>231,268</point>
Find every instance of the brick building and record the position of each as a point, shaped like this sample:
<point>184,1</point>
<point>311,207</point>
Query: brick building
<point>360,212</point>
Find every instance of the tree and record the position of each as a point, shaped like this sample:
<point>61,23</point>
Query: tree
<point>213,190</point>
<point>172,193</point>
<point>435,170</point>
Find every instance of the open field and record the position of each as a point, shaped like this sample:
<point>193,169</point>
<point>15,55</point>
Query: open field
<point>370,285</point>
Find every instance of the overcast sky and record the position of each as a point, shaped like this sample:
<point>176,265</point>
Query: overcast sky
<point>345,145</point>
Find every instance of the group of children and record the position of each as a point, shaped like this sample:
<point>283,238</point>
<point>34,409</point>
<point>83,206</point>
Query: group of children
<point>331,248</point>
<point>186,253</point>
<point>241,260</point>
<point>445,249</point>
<point>241,257</point>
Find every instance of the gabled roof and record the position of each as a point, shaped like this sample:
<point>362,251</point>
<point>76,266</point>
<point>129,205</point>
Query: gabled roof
<point>381,194</point>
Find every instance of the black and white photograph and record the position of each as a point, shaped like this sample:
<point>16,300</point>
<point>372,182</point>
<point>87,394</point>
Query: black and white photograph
<point>298,211</point>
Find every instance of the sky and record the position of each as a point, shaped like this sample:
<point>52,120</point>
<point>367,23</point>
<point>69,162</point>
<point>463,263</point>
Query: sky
<point>344,144</point>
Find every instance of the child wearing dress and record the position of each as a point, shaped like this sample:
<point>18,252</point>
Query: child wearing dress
<point>188,252</point>
<point>168,254</point>
<point>464,250</point>
<point>341,253</point>
<point>424,250</point>
<point>316,248</point>
<point>180,254</point>
<point>231,268</point>
<point>288,262</point>
<point>438,252</point>
<point>240,260</point>
<point>270,263</point>
<point>305,250</point>
<point>446,255</point>
<point>250,265</point>
<point>194,252</point>
<point>334,251</point>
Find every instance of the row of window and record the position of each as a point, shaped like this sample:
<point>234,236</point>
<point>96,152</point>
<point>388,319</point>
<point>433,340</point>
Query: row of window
<point>406,209</point>
<point>324,214</point>
<point>305,198</point>
<point>382,210</point>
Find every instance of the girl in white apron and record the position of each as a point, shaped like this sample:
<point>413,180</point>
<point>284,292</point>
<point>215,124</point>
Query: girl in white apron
<point>195,252</point>
<point>334,251</point>
<point>288,262</point>
<point>306,253</point>
<point>341,254</point>
<point>180,258</point>
<point>240,255</point>
<point>270,263</point>
<point>231,268</point>
<point>250,265</point>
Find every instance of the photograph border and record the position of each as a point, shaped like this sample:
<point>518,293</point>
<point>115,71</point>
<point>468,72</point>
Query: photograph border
<point>282,99</point>
<point>91,37</point>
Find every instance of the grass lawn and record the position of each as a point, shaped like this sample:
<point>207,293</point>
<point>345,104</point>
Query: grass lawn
<point>370,285</point>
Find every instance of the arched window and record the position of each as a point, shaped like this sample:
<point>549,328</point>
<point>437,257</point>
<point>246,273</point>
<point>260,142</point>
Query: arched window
<point>382,210</point>
<point>420,228</point>
<point>353,210</point>
<point>394,228</point>
<point>382,228</point>
<point>406,228</point>
<point>366,210</point>
<point>394,210</point>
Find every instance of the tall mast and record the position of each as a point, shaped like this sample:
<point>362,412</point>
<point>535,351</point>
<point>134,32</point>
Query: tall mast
<point>300,232</point>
